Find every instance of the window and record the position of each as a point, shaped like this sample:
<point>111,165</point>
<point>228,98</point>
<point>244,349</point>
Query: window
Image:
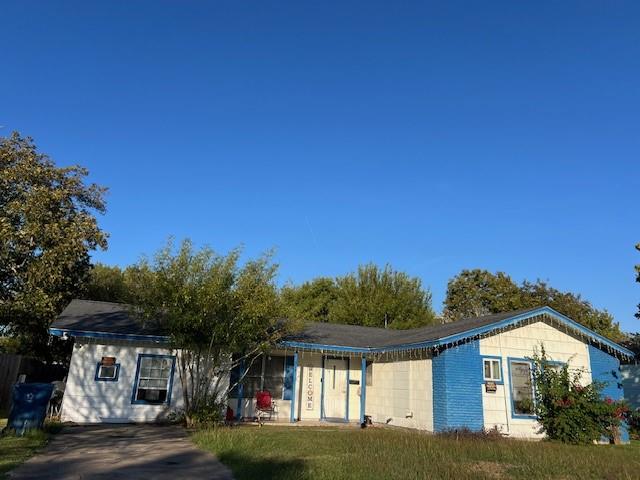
<point>267,372</point>
<point>107,370</point>
<point>491,369</point>
<point>273,375</point>
<point>154,379</point>
<point>521,388</point>
<point>252,381</point>
<point>369,374</point>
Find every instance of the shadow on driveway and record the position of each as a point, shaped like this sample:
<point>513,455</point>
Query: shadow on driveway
<point>119,452</point>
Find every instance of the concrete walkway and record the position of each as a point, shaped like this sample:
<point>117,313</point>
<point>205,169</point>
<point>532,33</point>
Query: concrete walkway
<point>119,452</point>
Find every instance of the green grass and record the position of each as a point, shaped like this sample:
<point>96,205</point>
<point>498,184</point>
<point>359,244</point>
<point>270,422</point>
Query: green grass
<point>317,453</point>
<point>15,450</point>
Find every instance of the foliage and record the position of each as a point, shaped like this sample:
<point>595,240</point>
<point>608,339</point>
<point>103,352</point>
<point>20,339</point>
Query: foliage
<point>474,293</point>
<point>312,301</point>
<point>212,307</point>
<point>633,422</point>
<point>108,284</point>
<point>373,296</point>
<point>329,453</point>
<point>382,297</point>
<point>569,411</point>
<point>47,231</point>
<point>632,342</point>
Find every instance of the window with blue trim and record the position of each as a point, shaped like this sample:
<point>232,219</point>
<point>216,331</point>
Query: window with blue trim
<point>153,379</point>
<point>491,369</point>
<point>273,373</point>
<point>521,388</point>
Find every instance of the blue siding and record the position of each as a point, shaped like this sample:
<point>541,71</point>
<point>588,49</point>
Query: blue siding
<point>457,397</point>
<point>606,369</point>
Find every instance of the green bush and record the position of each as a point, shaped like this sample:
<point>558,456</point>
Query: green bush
<point>633,422</point>
<point>569,411</point>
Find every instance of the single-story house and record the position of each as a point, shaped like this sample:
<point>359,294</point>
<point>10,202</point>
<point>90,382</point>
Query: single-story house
<point>473,373</point>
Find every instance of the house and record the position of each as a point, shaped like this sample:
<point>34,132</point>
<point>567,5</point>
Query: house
<point>474,373</point>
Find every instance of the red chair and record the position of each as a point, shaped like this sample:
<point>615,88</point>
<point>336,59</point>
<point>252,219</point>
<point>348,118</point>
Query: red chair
<point>265,406</point>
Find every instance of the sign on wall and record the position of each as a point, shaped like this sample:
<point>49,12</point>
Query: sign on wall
<point>310,388</point>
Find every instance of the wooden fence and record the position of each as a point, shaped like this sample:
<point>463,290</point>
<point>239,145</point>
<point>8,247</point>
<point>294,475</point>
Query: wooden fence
<point>12,366</point>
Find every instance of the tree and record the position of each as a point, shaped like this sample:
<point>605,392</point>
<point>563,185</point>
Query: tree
<point>107,284</point>
<point>377,297</point>
<point>311,301</point>
<point>474,293</point>
<point>47,230</point>
<point>212,307</point>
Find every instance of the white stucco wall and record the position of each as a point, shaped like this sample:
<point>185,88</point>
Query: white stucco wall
<point>89,401</point>
<point>522,342</point>
<point>401,394</point>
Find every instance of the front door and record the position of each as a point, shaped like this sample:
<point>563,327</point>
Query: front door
<point>335,388</point>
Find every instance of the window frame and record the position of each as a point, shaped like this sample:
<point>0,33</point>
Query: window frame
<point>489,358</point>
<point>283,392</point>
<point>134,392</point>
<point>98,378</point>
<point>528,416</point>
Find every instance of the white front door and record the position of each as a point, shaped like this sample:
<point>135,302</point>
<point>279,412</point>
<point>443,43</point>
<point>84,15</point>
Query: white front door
<point>335,388</point>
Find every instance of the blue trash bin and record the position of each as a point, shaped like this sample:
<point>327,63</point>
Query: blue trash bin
<point>29,406</point>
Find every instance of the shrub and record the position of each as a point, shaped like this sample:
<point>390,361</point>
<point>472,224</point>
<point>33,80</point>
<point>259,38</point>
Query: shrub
<point>569,411</point>
<point>633,421</point>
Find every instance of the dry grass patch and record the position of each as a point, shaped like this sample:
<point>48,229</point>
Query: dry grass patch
<point>317,453</point>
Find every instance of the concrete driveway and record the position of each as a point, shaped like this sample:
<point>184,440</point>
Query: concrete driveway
<point>122,451</point>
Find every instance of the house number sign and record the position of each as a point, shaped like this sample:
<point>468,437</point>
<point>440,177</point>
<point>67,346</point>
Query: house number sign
<point>309,385</point>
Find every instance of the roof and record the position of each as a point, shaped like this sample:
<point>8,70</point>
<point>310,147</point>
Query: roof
<point>372,337</point>
<point>103,319</point>
<point>114,320</point>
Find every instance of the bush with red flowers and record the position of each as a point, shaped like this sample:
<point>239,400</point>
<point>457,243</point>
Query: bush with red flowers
<point>569,411</point>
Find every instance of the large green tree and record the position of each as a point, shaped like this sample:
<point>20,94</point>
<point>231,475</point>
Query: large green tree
<point>372,296</point>
<point>312,301</point>
<point>474,293</point>
<point>212,307</point>
<point>108,284</point>
<point>47,230</point>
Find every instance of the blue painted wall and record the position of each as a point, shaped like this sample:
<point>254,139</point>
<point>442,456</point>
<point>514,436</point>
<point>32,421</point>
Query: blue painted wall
<point>606,369</point>
<point>457,397</point>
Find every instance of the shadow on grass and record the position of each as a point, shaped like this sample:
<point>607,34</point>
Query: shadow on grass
<point>246,466</point>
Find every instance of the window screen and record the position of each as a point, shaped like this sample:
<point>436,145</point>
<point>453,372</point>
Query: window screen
<point>274,375</point>
<point>522,388</point>
<point>253,379</point>
<point>369,374</point>
<point>154,377</point>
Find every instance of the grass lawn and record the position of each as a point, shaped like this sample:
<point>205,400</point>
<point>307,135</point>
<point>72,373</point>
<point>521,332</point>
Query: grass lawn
<point>322,453</point>
<point>15,450</point>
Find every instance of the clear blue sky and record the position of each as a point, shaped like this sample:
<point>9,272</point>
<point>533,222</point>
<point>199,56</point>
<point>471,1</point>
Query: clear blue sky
<point>433,136</point>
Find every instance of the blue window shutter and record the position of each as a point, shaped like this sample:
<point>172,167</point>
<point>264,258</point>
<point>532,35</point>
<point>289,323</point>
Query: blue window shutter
<point>287,393</point>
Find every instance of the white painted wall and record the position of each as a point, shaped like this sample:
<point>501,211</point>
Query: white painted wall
<point>89,401</point>
<point>522,342</point>
<point>401,394</point>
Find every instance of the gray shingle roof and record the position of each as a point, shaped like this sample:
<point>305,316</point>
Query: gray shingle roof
<point>101,317</point>
<point>370,337</point>
<point>116,318</point>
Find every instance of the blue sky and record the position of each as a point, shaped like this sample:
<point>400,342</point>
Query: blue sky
<point>433,136</point>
